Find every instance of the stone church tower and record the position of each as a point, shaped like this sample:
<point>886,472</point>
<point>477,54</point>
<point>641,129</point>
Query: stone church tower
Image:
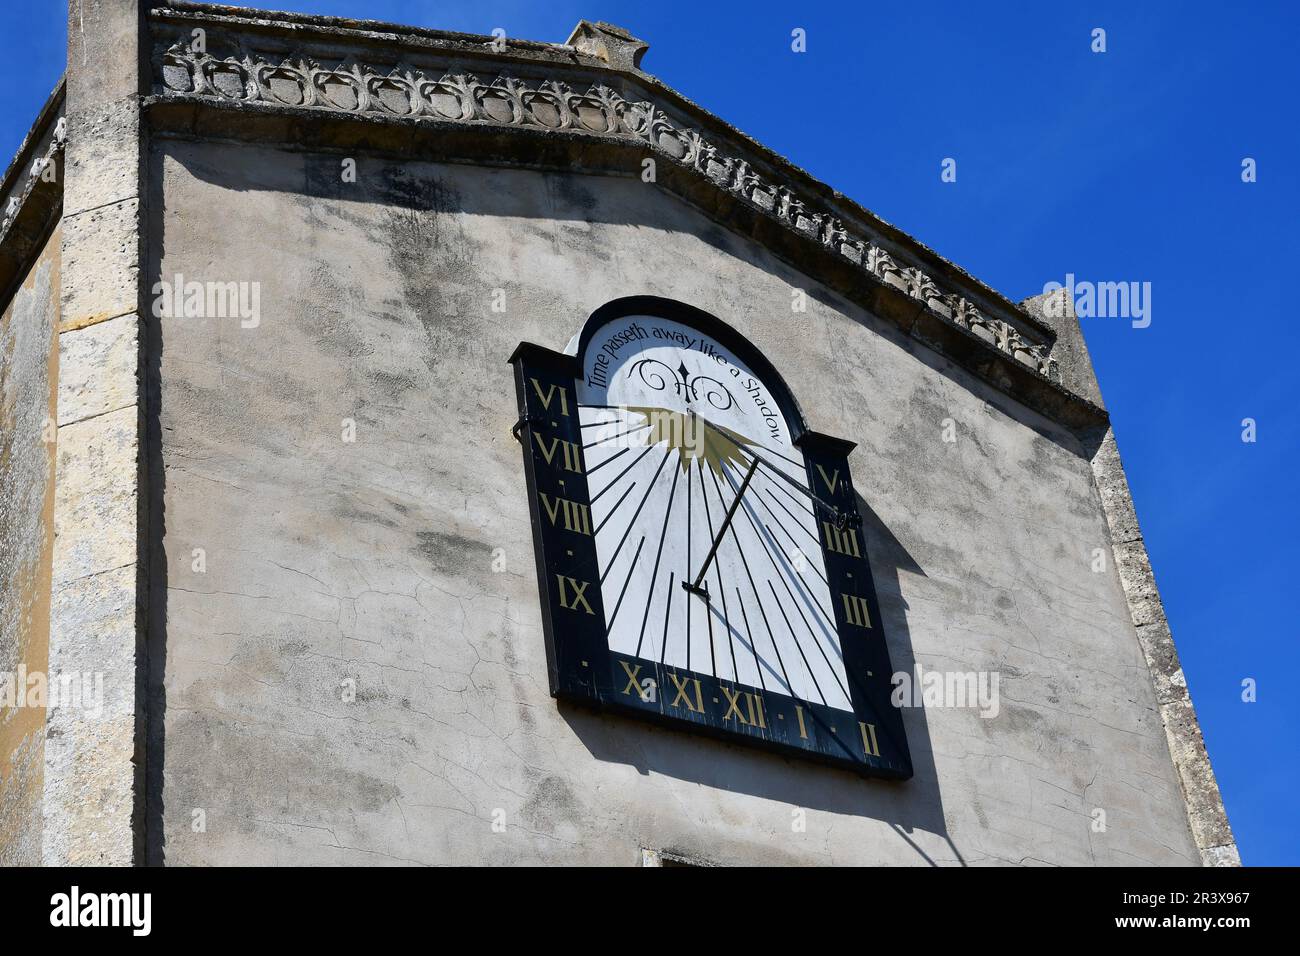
<point>268,537</point>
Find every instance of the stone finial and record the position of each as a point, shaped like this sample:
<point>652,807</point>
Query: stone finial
<point>607,42</point>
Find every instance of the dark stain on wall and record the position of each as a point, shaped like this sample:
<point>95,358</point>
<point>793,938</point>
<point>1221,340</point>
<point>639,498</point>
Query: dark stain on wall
<point>448,552</point>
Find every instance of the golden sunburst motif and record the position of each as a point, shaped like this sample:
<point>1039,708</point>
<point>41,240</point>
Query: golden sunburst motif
<point>694,438</point>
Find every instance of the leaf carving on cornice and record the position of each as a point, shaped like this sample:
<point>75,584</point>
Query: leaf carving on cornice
<point>385,89</point>
<point>548,105</point>
<point>508,90</point>
<point>698,151</point>
<point>788,206</point>
<point>600,99</point>
<point>273,82</point>
<point>340,88</point>
<point>743,180</point>
<point>177,62</point>
<point>635,118</point>
<point>832,233</point>
<point>880,262</point>
<point>230,77</point>
<point>921,286</point>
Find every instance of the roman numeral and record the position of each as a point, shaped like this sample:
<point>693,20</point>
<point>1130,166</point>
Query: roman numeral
<point>550,395</point>
<point>803,728</point>
<point>632,671</point>
<point>856,610</point>
<point>752,716</point>
<point>684,693</point>
<point>842,542</point>
<point>573,594</point>
<point>869,742</point>
<point>572,453</point>
<point>576,517</point>
<point>832,481</point>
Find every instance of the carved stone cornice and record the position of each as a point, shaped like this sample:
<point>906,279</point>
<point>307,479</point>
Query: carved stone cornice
<point>31,192</point>
<point>266,67</point>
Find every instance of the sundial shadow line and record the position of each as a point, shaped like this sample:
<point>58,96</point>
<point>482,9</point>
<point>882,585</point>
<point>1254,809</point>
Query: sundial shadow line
<point>690,503</point>
<point>798,645</point>
<point>808,598</point>
<point>796,548</point>
<point>797,464</point>
<point>760,663</point>
<point>751,643</point>
<point>798,524</point>
<point>794,571</point>
<point>828,635</point>
<point>722,589</point>
<point>761,609</point>
<point>789,494</point>
<point>748,509</point>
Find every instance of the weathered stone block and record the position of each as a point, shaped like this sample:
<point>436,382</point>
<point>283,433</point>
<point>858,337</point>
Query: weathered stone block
<point>101,248</point>
<point>1221,856</point>
<point>1139,584</point>
<point>1162,659</point>
<point>101,162</point>
<point>97,369</point>
<point>90,744</point>
<point>1108,471</point>
<point>1205,811</point>
<point>103,40</point>
<point>95,495</point>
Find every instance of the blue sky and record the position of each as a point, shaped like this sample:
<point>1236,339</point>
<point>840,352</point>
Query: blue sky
<point>1119,166</point>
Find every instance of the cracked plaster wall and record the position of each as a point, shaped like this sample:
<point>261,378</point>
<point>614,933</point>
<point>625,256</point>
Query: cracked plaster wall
<point>372,561</point>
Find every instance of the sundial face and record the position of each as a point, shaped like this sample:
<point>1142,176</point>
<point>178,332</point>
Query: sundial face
<point>700,552</point>
<point>672,423</point>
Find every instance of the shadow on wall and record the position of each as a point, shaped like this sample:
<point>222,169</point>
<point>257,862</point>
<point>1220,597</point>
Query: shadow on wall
<point>906,806</point>
<point>151,842</point>
<point>424,202</point>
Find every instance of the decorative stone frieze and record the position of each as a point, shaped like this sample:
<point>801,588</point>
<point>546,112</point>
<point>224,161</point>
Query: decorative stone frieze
<point>44,149</point>
<point>347,84</point>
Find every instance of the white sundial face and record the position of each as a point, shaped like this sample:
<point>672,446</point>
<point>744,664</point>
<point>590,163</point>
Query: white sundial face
<point>673,425</point>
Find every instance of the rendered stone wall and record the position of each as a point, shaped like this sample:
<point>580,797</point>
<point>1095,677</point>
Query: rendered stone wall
<point>28,379</point>
<point>299,564</point>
